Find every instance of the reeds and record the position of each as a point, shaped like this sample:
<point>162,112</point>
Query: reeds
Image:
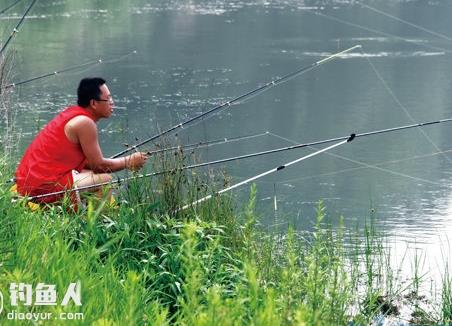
<point>141,263</point>
<point>9,136</point>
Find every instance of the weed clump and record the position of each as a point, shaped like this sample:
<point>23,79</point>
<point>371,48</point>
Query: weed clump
<point>144,262</point>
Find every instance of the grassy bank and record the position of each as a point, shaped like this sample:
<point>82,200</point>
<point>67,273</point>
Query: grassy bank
<point>140,264</point>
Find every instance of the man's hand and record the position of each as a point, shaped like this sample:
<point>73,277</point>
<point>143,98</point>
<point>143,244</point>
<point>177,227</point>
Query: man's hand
<point>136,161</point>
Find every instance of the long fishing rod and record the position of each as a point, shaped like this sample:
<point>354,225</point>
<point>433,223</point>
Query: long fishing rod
<point>16,29</point>
<point>123,180</point>
<point>9,7</point>
<point>57,72</point>
<point>288,148</point>
<point>258,176</point>
<point>376,166</point>
<point>239,98</point>
<point>366,165</point>
<point>236,158</point>
<point>208,143</point>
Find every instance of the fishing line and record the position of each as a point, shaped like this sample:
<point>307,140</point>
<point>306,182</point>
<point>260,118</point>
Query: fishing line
<point>9,7</point>
<point>209,143</point>
<point>235,158</point>
<point>445,37</point>
<point>365,167</point>
<point>83,65</point>
<point>379,32</point>
<point>363,164</point>
<point>241,98</point>
<point>16,29</point>
<point>186,167</point>
<point>404,109</point>
<point>276,169</point>
<point>203,121</point>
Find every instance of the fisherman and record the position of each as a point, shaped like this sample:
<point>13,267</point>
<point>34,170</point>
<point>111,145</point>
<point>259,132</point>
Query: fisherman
<point>66,153</point>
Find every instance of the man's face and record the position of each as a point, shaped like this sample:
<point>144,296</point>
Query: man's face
<point>104,105</point>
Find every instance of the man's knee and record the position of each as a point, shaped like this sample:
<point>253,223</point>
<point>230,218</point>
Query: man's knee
<point>106,177</point>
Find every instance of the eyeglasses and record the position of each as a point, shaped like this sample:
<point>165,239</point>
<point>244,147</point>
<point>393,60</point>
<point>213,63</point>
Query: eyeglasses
<point>110,99</point>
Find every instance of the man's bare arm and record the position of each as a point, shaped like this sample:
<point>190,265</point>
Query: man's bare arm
<point>84,131</point>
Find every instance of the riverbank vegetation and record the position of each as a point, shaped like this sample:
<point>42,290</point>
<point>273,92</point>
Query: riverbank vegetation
<point>140,263</point>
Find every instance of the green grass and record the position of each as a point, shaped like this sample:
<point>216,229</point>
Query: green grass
<point>142,264</point>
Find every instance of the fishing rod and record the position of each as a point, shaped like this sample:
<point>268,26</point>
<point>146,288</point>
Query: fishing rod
<point>54,73</point>
<point>239,98</point>
<point>123,180</point>
<point>288,148</point>
<point>9,7</point>
<point>376,166</point>
<point>196,145</point>
<point>16,29</point>
<point>207,143</point>
<point>366,165</point>
<point>258,176</point>
<point>236,158</point>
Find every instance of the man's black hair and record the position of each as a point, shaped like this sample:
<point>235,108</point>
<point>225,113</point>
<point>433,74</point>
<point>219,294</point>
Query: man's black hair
<point>89,89</point>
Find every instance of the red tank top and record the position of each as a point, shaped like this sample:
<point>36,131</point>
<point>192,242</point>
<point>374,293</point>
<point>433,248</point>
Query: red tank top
<point>51,155</point>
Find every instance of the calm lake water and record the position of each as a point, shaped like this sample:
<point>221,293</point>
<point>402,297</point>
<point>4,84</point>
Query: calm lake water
<point>193,55</point>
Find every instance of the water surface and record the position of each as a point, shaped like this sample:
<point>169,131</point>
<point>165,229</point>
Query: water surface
<point>193,55</point>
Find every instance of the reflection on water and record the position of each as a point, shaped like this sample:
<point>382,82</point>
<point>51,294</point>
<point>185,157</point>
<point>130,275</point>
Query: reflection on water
<point>378,54</point>
<point>193,55</point>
